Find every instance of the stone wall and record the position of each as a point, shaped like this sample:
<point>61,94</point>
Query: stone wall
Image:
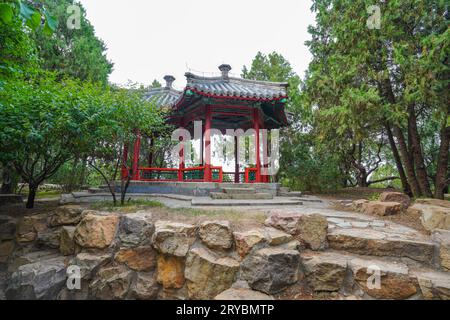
<point>134,256</point>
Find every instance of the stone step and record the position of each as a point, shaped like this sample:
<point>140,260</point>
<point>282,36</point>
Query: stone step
<point>207,201</point>
<point>337,271</point>
<point>239,190</point>
<point>290,194</point>
<point>381,243</point>
<point>243,196</point>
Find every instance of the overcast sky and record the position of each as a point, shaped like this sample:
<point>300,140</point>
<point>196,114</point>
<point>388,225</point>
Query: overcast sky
<point>148,39</point>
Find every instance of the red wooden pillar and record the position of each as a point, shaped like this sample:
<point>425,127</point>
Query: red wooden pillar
<point>136,152</point>
<point>207,134</point>
<point>258,160</point>
<point>125,162</point>
<point>181,164</point>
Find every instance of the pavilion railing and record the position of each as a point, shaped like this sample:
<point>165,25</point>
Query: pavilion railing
<point>250,175</point>
<point>194,174</point>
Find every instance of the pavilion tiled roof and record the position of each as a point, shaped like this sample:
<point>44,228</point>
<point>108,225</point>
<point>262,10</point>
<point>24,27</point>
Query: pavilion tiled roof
<point>226,86</point>
<point>222,87</point>
<point>163,97</point>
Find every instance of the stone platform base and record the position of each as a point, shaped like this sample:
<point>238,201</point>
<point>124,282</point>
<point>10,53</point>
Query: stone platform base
<point>196,189</point>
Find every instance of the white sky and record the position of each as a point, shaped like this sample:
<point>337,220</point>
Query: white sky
<point>149,39</point>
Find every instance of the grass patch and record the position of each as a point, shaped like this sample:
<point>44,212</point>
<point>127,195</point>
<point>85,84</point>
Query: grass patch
<point>128,205</point>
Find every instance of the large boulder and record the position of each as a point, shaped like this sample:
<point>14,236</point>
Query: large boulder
<point>96,230</point>
<point>39,280</point>
<point>145,288</point>
<point>442,238</point>
<point>173,238</point>
<point>136,229</point>
<point>240,294</point>
<point>7,228</point>
<point>49,238</point>
<point>207,274</point>
<point>66,215</point>
<point>389,196</point>
<point>247,240</point>
<point>112,283</point>
<point>271,270</point>
<point>275,237</point>
<point>22,258</point>
<point>139,258</point>
<point>324,271</point>
<point>216,234</point>
<point>432,216</point>
<point>312,231</point>
<point>29,226</point>
<point>287,222</point>
<point>90,262</point>
<point>170,271</point>
<point>66,241</point>
<point>393,280</point>
<point>382,208</point>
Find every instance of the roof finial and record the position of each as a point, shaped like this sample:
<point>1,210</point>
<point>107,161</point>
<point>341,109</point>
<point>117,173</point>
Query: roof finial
<point>225,68</point>
<point>169,81</point>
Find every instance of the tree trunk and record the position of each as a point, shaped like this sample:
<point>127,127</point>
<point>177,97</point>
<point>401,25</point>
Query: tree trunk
<point>398,161</point>
<point>31,195</point>
<point>412,180</point>
<point>441,181</point>
<point>419,162</point>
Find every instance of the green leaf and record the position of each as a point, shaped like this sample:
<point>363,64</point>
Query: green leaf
<point>6,12</point>
<point>34,21</point>
<point>50,23</point>
<point>26,11</point>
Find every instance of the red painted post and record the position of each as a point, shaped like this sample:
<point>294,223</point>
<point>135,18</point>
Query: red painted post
<point>125,162</point>
<point>207,134</point>
<point>136,152</point>
<point>181,164</point>
<point>258,160</point>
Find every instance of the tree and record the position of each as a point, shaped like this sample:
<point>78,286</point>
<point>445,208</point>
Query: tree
<point>43,123</point>
<point>365,81</point>
<point>126,115</point>
<point>73,52</point>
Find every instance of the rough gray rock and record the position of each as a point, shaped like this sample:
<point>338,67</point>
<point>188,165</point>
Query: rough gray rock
<point>136,229</point>
<point>66,215</point>
<point>207,274</point>
<point>324,271</point>
<point>111,283</point>
<point>271,270</point>
<point>173,238</point>
<point>146,287</point>
<point>39,280</point>
<point>216,234</point>
<point>49,238</point>
<point>89,263</point>
<point>7,228</point>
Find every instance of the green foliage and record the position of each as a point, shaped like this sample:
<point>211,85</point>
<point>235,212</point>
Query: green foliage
<point>76,53</point>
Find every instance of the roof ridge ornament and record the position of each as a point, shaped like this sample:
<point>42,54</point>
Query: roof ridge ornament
<point>225,69</point>
<point>169,81</point>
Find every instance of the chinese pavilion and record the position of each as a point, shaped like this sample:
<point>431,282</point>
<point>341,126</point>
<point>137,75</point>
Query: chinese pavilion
<point>222,102</point>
